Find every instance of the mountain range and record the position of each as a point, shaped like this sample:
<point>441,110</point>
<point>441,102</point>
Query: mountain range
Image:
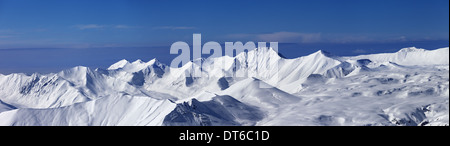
<point>258,87</point>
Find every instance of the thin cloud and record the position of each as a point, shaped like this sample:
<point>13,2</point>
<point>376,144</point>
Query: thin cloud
<point>283,37</point>
<point>175,27</point>
<point>297,37</point>
<point>98,26</point>
<point>6,36</point>
<point>89,26</point>
<point>122,26</point>
<point>241,36</point>
<point>348,38</point>
<point>7,33</point>
<point>290,37</point>
<point>41,30</point>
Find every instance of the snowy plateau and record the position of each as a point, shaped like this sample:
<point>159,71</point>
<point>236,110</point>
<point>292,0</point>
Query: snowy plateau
<point>406,88</point>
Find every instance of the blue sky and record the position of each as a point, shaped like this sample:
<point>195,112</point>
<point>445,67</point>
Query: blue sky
<point>344,27</point>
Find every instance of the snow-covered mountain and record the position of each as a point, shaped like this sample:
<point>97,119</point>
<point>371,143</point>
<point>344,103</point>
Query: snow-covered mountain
<point>411,56</point>
<point>409,87</point>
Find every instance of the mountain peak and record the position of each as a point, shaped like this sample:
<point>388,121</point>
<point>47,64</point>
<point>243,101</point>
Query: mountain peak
<point>139,61</point>
<point>119,64</point>
<point>153,61</point>
<point>266,51</point>
<point>322,54</point>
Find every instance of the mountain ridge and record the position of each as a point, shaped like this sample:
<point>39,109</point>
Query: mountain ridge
<point>260,81</point>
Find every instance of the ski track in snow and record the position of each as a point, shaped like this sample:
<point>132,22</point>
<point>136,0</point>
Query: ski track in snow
<point>406,88</point>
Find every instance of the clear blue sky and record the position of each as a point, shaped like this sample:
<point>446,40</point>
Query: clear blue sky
<point>84,24</point>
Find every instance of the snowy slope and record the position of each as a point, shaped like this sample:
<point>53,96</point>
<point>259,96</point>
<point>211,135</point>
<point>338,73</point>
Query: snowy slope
<point>5,107</point>
<point>107,111</point>
<point>39,91</point>
<point>411,56</point>
<point>219,111</point>
<point>409,87</point>
<point>256,92</point>
<point>388,96</point>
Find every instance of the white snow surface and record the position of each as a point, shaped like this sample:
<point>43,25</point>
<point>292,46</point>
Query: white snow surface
<point>409,87</point>
<point>106,111</point>
<point>411,56</point>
